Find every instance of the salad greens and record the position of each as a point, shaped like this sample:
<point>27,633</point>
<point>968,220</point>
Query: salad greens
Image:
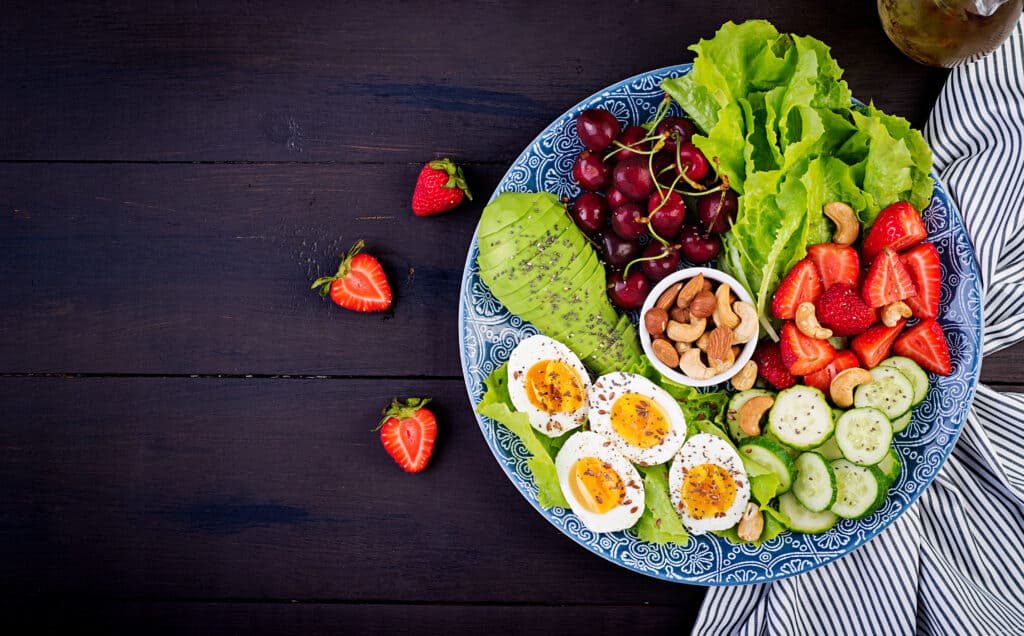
<point>779,119</point>
<point>659,523</point>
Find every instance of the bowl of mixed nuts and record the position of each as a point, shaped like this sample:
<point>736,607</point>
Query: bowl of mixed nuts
<point>699,327</point>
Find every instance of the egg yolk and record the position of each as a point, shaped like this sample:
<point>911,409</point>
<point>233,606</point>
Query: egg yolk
<point>554,387</point>
<point>708,491</point>
<point>639,420</point>
<point>596,485</point>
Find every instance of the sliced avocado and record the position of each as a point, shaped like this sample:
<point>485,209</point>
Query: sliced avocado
<point>530,250</point>
<point>567,302</point>
<point>512,208</point>
<point>620,351</point>
<point>532,271</point>
<point>549,290</point>
<point>512,240</point>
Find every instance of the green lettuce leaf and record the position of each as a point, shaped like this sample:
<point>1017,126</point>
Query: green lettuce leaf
<point>659,522</point>
<point>497,405</point>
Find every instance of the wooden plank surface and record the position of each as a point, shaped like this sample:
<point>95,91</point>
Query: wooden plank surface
<point>361,82</point>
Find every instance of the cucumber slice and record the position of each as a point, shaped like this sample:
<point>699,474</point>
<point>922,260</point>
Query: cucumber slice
<point>801,417</point>
<point>891,465</point>
<point>860,490</point>
<point>889,391</point>
<point>902,422</point>
<point>732,413</point>
<point>815,485</point>
<point>803,520</point>
<point>830,450</point>
<point>917,376</point>
<point>864,435</point>
<point>772,456</point>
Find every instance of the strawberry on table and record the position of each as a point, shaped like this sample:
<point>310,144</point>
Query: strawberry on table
<point>801,284</point>
<point>359,284</point>
<point>408,432</point>
<point>925,344</point>
<point>842,310</point>
<point>440,187</point>
<point>887,280</point>
<point>897,227</point>
<point>922,263</point>
<point>802,354</point>
<point>875,344</point>
<point>770,366</point>
<point>836,263</point>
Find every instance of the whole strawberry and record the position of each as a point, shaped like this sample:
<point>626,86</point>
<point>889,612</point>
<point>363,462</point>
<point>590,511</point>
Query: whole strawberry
<point>842,310</point>
<point>360,283</point>
<point>408,432</point>
<point>440,187</point>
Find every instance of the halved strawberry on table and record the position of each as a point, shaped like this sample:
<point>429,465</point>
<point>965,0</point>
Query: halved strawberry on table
<point>887,280</point>
<point>802,284</point>
<point>359,284</point>
<point>802,354</point>
<point>408,432</point>
<point>897,227</point>
<point>875,344</point>
<point>842,310</point>
<point>925,344</point>
<point>822,378</point>
<point>836,263</point>
<point>922,263</point>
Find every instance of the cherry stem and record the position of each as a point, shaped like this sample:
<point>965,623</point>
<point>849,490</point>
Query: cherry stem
<point>625,270</point>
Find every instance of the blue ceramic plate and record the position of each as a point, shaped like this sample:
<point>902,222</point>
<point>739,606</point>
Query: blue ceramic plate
<point>489,333</point>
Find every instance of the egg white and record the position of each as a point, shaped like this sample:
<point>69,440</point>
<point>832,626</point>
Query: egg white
<point>610,387</point>
<point>700,449</point>
<point>590,444</point>
<point>528,353</point>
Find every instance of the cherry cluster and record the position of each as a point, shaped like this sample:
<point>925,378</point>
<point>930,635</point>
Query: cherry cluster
<point>637,182</point>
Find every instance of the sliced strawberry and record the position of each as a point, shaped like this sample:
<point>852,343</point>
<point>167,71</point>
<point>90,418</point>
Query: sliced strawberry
<point>359,284</point>
<point>887,280</point>
<point>875,344</point>
<point>408,432</point>
<point>925,344</point>
<point>801,284</point>
<point>897,227</point>
<point>842,310</point>
<point>922,263</point>
<point>770,365</point>
<point>836,263</point>
<point>802,354</point>
<point>822,379</point>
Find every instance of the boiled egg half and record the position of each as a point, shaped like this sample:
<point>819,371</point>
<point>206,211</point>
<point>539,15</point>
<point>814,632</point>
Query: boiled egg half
<point>602,487</point>
<point>641,419</point>
<point>708,484</point>
<point>548,382</point>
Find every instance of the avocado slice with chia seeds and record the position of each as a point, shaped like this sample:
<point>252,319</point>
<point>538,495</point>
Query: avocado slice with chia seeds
<point>510,209</point>
<point>533,271</point>
<point>547,247</point>
<point>498,248</point>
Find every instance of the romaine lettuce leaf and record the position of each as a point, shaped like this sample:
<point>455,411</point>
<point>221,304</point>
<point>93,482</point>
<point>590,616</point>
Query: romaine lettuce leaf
<point>497,405</point>
<point>659,522</point>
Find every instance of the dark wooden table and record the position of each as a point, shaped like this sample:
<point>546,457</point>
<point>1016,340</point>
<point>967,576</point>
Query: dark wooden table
<point>186,434</point>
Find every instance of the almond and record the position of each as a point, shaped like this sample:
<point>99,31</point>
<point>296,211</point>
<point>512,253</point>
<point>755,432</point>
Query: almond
<point>719,344</point>
<point>668,297</point>
<point>690,290</point>
<point>664,351</point>
<point>703,304</point>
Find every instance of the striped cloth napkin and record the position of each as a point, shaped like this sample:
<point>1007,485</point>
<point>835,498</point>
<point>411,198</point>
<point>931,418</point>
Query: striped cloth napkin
<point>954,562</point>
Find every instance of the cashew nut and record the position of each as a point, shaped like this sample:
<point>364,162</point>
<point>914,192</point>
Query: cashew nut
<point>847,225</point>
<point>750,414</point>
<point>691,364</point>
<point>842,386</point>
<point>807,322</point>
<point>751,523</point>
<point>702,342</point>
<point>746,377</point>
<point>892,313</point>
<point>746,330</point>
<point>723,365</point>
<point>723,314</point>
<point>686,332</point>
<point>683,347</point>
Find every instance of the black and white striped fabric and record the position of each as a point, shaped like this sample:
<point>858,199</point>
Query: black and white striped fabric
<point>954,562</point>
